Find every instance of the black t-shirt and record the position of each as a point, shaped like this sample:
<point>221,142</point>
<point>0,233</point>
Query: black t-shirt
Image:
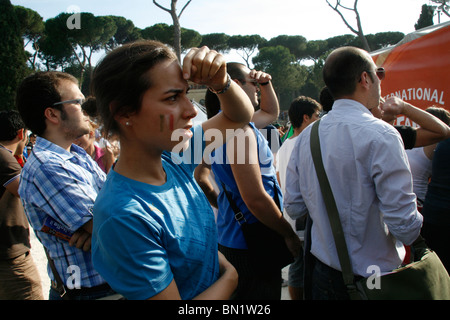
<point>408,135</point>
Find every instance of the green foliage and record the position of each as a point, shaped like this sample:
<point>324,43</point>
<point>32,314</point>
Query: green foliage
<point>294,62</point>
<point>216,41</point>
<point>12,55</point>
<point>164,33</point>
<point>425,18</point>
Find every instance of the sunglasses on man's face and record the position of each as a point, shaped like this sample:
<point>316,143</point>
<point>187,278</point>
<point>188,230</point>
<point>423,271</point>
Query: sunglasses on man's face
<point>74,101</point>
<point>381,73</point>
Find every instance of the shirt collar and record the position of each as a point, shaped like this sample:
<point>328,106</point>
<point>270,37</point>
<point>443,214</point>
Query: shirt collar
<point>345,104</point>
<point>43,144</point>
<point>3,147</point>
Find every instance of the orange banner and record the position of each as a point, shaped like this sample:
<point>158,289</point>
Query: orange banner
<point>418,68</point>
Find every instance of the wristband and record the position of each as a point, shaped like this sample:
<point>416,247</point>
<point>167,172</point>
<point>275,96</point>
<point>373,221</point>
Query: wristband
<point>225,89</point>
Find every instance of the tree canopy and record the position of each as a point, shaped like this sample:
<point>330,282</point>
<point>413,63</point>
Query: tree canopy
<point>292,60</point>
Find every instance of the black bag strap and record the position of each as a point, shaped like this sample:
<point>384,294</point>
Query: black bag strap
<point>333,214</point>
<point>61,288</point>
<point>238,215</point>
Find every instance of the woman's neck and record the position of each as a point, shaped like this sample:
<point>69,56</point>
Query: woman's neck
<point>141,166</point>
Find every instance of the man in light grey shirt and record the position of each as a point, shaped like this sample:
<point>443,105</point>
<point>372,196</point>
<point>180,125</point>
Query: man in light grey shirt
<point>368,172</point>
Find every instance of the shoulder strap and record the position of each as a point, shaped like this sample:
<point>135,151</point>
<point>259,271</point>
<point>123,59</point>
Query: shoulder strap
<point>238,215</point>
<point>332,211</point>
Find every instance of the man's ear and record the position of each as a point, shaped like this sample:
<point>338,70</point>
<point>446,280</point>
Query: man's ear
<point>306,118</point>
<point>51,115</point>
<point>20,134</point>
<point>365,79</point>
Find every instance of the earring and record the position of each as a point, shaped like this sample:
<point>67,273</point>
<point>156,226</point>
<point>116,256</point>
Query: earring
<point>127,123</point>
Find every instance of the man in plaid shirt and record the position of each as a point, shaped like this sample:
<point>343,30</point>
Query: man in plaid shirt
<point>60,182</point>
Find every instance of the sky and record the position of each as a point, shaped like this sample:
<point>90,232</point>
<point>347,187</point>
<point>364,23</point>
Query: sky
<point>312,19</point>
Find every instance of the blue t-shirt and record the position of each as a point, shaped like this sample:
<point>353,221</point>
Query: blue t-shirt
<point>229,230</point>
<point>145,236</point>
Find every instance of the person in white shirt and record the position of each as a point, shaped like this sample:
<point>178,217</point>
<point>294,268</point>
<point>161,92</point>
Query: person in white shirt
<point>420,159</point>
<point>368,171</point>
<point>302,112</point>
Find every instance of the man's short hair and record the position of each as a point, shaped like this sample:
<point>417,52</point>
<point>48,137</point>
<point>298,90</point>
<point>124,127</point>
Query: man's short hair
<point>10,123</point>
<point>299,107</point>
<point>36,93</point>
<point>342,70</point>
<point>236,71</point>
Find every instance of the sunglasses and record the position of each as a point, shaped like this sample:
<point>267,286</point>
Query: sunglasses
<point>74,101</point>
<point>381,73</point>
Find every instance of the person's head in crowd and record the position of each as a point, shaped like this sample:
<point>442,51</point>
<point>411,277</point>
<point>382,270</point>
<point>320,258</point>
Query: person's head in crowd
<point>87,140</point>
<point>303,111</point>
<point>90,107</point>
<point>50,105</point>
<point>11,126</point>
<point>326,99</point>
<point>351,73</point>
<point>126,106</point>
<point>240,74</point>
<point>439,112</point>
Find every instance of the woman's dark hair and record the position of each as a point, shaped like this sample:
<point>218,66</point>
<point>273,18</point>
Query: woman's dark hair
<point>36,93</point>
<point>440,113</point>
<point>121,78</point>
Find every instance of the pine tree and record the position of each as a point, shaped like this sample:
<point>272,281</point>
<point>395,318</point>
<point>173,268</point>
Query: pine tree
<point>12,55</point>
<point>426,17</point>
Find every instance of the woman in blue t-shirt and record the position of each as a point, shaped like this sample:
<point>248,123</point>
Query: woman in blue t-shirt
<point>154,233</point>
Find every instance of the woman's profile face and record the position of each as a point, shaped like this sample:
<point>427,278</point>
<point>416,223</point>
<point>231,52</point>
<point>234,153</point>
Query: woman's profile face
<point>165,109</point>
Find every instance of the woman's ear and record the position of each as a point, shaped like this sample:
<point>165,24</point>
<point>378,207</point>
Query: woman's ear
<point>122,118</point>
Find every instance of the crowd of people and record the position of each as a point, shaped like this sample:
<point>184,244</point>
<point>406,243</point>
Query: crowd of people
<point>142,221</point>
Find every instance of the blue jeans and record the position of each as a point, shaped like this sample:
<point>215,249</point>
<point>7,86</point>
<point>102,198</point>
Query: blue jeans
<point>327,283</point>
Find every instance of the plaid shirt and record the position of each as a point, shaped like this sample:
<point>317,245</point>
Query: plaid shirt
<point>62,185</point>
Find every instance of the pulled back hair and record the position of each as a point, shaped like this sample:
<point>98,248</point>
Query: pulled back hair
<point>300,106</point>
<point>440,113</point>
<point>10,123</point>
<point>38,92</point>
<point>120,79</point>
<point>342,70</point>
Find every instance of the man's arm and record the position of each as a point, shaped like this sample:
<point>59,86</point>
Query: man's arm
<point>431,130</point>
<point>269,107</point>
<point>13,186</point>
<point>207,67</point>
